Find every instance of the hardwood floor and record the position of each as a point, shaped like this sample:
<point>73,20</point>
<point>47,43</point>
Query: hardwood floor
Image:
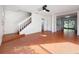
<point>10,37</point>
<point>42,43</point>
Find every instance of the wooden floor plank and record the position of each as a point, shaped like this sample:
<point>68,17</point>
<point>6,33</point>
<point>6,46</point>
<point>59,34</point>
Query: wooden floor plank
<point>42,43</point>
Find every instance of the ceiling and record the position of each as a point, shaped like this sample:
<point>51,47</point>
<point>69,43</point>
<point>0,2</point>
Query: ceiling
<point>37,8</point>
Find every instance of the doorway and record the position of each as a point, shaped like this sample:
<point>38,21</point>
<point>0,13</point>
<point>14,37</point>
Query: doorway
<point>70,25</point>
<point>67,23</point>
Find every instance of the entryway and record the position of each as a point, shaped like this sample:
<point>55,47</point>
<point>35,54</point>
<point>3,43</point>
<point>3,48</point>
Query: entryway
<point>67,24</point>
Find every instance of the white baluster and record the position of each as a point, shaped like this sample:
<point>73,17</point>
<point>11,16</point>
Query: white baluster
<point>24,23</point>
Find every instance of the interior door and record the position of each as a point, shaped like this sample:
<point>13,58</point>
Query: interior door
<point>44,25</point>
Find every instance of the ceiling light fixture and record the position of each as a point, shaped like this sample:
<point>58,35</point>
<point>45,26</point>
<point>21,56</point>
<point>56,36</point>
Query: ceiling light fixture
<point>67,16</point>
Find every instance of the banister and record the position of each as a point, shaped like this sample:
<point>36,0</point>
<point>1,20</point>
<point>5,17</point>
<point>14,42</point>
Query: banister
<point>24,23</point>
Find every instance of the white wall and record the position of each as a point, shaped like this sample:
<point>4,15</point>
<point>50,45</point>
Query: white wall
<point>49,22</point>
<point>1,25</point>
<point>35,26</point>
<point>12,18</point>
<point>77,22</point>
<point>53,23</point>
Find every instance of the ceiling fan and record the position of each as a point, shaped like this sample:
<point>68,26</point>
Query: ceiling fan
<point>45,8</point>
<point>42,10</point>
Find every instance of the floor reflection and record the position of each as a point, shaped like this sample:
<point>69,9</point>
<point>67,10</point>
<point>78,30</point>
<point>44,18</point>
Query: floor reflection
<point>69,32</point>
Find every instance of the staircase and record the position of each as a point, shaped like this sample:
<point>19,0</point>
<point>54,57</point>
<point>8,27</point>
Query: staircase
<point>22,25</point>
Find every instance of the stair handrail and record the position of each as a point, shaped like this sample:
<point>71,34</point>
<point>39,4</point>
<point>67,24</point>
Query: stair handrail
<point>24,21</point>
<point>20,25</point>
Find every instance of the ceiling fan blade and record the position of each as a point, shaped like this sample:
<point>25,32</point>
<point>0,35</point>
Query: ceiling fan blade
<point>47,10</point>
<point>45,6</point>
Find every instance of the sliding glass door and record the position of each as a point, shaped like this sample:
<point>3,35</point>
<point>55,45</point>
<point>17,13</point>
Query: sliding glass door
<point>70,25</point>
